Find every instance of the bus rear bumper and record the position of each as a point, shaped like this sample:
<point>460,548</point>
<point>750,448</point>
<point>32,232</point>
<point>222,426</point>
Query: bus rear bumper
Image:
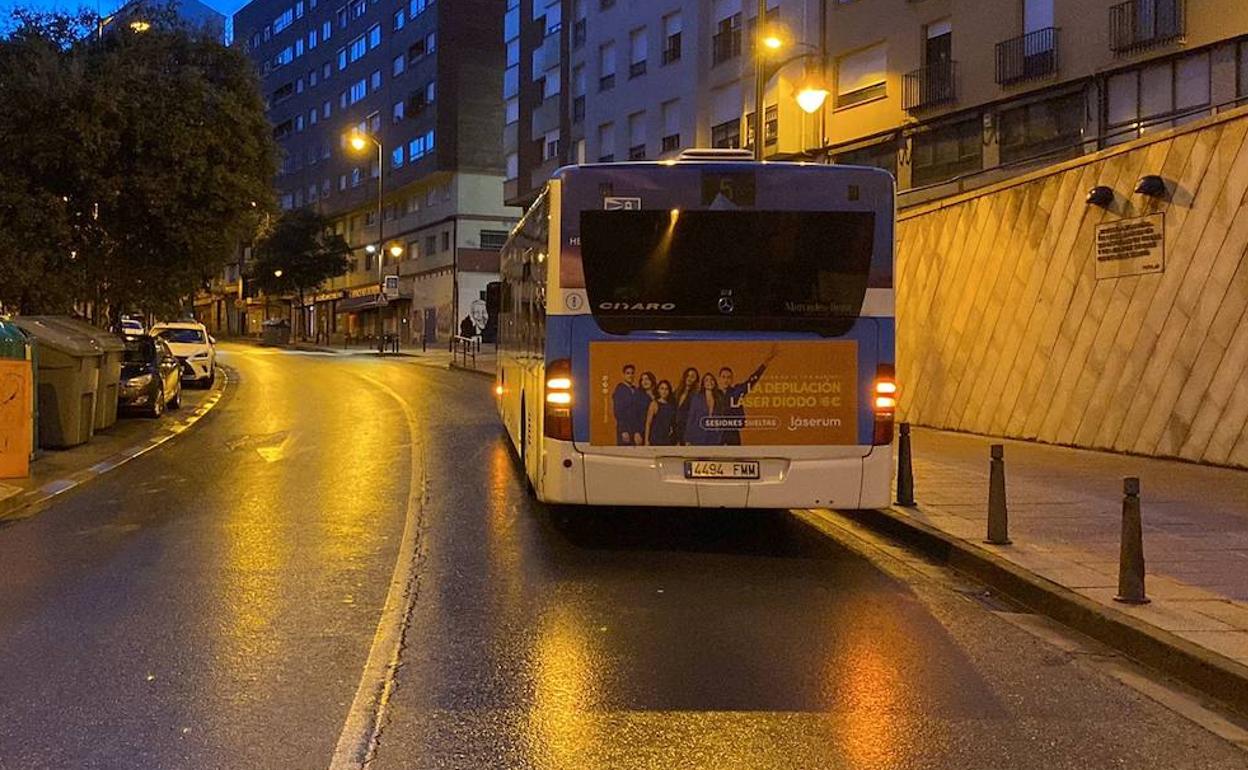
<point>572,477</point>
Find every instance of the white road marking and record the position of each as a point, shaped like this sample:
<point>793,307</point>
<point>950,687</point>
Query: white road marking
<point>357,742</point>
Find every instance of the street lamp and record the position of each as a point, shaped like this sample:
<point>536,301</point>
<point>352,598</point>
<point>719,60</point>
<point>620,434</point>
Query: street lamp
<point>359,141</point>
<point>277,273</point>
<point>810,97</point>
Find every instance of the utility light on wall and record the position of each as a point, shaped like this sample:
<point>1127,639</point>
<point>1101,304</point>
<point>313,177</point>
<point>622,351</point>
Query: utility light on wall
<point>1100,196</point>
<point>1152,185</point>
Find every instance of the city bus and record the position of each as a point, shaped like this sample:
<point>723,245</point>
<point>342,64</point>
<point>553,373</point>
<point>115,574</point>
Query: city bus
<point>703,332</point>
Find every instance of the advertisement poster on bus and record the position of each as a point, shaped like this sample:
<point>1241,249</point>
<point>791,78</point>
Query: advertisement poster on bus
<point>752,393</point>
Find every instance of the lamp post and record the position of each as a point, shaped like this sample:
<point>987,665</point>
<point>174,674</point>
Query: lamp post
<point>813,92</point>
<point>359,141</point>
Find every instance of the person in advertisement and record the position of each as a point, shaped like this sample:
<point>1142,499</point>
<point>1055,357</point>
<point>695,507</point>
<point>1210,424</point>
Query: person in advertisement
<point>624,401</point>
<point>661,417</point>
<point>735,394</point>
<point>683,398</point>
<point>707,401</point>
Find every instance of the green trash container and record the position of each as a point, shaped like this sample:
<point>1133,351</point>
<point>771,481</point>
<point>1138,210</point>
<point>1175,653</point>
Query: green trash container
<point>112,349</point>
<point>15,344</point>
<point>68,376</point>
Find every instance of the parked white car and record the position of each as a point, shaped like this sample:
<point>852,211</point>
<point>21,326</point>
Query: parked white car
<point>194,348</point>
<point>133,327</point>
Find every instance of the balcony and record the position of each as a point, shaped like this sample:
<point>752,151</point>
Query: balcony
<point>1137,25</point>
<point>1030,57</point>
<point>930,87</point>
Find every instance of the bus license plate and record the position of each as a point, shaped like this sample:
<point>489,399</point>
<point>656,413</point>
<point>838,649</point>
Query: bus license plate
<point>725,469</point>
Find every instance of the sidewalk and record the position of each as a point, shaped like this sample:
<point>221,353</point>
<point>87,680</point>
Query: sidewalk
<point>56,471</point>
<point>1065,508</point>
<point>484,363</point>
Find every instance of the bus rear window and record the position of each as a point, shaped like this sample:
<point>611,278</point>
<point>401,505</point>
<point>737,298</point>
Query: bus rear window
<point>732,270</point>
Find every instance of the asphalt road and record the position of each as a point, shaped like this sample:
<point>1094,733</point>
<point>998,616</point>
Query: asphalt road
<point>213,605</point>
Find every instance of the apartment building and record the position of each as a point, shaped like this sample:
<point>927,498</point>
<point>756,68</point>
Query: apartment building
<point>419,78</point>
<point>946,94</point>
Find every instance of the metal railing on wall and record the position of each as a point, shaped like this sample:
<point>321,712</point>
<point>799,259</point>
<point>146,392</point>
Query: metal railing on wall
<point>1139,24</point>
<point>930,86</point>
<point>1028,57</point>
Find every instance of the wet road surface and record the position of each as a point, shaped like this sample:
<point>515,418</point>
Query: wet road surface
<point>212,605</point>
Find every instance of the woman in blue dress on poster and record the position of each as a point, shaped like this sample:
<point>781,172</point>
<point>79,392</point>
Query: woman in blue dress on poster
<point>662,417</point>
<point>682,398</point>
<point>706,402</point>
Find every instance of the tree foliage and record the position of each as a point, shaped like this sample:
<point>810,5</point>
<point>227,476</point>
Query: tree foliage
<point>304,249</point>
<point>133,163</point>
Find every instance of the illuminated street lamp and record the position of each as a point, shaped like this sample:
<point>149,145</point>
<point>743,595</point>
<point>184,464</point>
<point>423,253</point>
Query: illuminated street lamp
<point>359,142</point>
<point>139,25</point>
<point>277,273</point>
<point>810,97</point>
<point>396,251</point>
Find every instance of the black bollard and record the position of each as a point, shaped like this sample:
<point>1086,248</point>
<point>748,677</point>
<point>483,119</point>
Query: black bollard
<point>1131,555</point>
<point>905,472</point>
<point>998,515</point>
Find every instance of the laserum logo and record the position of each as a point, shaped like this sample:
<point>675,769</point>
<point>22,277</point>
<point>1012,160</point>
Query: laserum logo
<point>638,306</point>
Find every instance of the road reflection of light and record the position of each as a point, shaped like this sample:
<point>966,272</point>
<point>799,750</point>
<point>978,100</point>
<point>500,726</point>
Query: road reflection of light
<point>561,725</point>
<point>503,550</point>
<point>255,545</point>
<point>873,691</point>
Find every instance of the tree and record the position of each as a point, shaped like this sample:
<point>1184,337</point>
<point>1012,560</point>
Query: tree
<point>299,254</point>
<point>142,159</point>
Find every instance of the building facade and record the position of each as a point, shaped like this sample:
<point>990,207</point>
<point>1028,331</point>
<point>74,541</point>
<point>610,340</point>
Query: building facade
<point>419,77</point>
<point>946,94</point>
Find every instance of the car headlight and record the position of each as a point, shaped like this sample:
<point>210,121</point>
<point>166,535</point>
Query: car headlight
<point>138,382</point>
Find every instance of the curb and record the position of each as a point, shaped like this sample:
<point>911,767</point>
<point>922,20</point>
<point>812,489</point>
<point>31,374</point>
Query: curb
<point>471,370</point>
<point>1214,675</point>
<point>21,506</point>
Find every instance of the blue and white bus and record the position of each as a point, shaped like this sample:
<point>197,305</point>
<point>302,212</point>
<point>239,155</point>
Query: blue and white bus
<point>707,332</point>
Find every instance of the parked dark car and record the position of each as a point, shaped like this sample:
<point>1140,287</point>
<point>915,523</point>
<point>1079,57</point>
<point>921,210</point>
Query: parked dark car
<point>151,378</point>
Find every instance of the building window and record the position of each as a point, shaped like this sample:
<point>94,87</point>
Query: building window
<point>398,65</point>
<point>375,80</point>
<point>637,49</point>
<point>1156,97</point>
<point>771,126</point>
<point>671,38</point>
<point>431,244</point>
<point>671,125</point>
<point>400,19</point>
<point>606,142</point>
<point>606,67</point>
<point>327,29</point>
<point>374,36</point>
<point>446,240</point>
<point>417,7</point>
<point>396,157</point>
<point>947,151</point>
<point>727,134</point>
<point>726,43</point>
<point>1243,70</point>
<point>862,76</point>
<point>493,240</point>
<point>396,112</point>
<point>342,59</point>
<point>551,145</point>
<point>359,47</point>
<point>1043,128</point>
<point>359,89</point>
<point>883,155</point>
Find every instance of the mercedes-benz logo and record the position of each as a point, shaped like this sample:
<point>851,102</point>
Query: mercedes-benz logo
<point>726,305</point>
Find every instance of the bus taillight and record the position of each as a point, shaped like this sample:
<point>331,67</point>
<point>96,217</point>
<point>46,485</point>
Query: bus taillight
<point>559,400</point>
<point>884,401</point>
